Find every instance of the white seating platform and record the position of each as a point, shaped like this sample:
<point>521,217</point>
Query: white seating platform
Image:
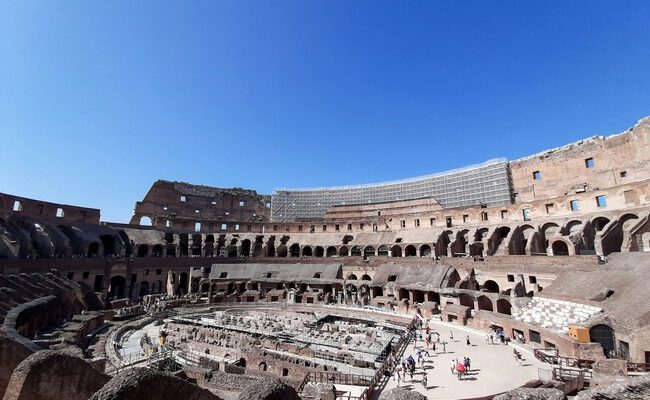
<point>555,315</point>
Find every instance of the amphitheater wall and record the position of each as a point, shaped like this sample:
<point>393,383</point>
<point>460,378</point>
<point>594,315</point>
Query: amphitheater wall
<point>596,163</point>
<point>38,209</point>
<point>180,203</point>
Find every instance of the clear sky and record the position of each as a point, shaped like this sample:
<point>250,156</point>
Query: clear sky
<point>100,99</point>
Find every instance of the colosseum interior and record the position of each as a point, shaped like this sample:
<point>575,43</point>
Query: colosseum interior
<point>535,269</point>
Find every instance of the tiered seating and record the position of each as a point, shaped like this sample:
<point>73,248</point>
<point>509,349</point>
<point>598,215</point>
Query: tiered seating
<point>554,314</point>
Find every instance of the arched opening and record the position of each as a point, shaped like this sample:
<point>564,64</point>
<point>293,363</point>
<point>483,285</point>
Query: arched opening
<point>352,277</point>
<point>356,251</point>
<point>459,244</point>
<point>499,238</point>
<point>418,296</point>
<point>433,297</point>
<point>144,288</point>
<point>306,251</point>
<point>208,247</point>
<point>484,303</point>
<point>560,248</point>
<point>548,230</point>
<point>343,251</point>
<point>294,250</point>
<point>258,246</point>
<point>368,251</point>
<point>143,250</point>
<point>145,221</point>
<point>382,251</point>
<point>504,307</point>
<point>522,236</point>
<point>476,249</point>
<point>409,251</point>
<point>491,286</point>
<point>183,282</point>
<point>156,287</point>
<point>599,223</point>
<point>604,335</point>
<point>365,277</point>
<point>93,249</point>
<point>241,362</point>
<point>318,251</point>
<point>573,227</point>
<point>171,250</point>
<point>245,248</point>
<point>127,243</point>
<point>270,247</point>
<point>466,300</point>
<point>396,251</point>
<point>157,251</point>
<point>232,251</point>
<point>403,294</point>
<point>331,251</point>
<point>425,250</point>
<point>117,288</point>
<point>285,372</point>
<point>262,366</point>
<point>108,242</point>
<point>184,244</point>
<point>443,241</point>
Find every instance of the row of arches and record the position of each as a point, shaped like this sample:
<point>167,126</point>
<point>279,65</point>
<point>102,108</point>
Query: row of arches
<point>552,238</point>
<point>549,238</point>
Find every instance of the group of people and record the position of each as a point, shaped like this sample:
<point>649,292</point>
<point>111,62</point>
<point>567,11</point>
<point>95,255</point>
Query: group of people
<point>496,336</point>
<point>461,368</point>
<point>407,368</point>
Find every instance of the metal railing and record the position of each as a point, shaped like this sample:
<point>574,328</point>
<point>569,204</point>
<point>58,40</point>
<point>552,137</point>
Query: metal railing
<point>555,359</point>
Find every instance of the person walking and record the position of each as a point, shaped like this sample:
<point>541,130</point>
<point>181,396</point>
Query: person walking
<point>425,384</point>
<point>451,335</point>
<point>467,339</point>
<point>452,366</point>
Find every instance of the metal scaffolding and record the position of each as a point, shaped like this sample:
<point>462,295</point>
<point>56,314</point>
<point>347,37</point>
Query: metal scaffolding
<point>487,183</point>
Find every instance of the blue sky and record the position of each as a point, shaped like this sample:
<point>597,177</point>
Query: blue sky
<point>100,99</point>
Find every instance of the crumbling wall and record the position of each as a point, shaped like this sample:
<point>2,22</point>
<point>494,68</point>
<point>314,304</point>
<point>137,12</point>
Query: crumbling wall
<point>147,384</point>
<point>53,375</point>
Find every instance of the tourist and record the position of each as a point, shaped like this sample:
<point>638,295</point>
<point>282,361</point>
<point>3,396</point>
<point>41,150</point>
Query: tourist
<point>487,338</point>
<point>398,378</point>
<point>460,368</point>
<point>451,335</point>
<point>452,366</point>
<point>467,339</point>
<point>424,382</point>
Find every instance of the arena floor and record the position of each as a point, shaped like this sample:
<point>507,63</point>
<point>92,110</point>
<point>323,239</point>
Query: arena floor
<point>493,366</point>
